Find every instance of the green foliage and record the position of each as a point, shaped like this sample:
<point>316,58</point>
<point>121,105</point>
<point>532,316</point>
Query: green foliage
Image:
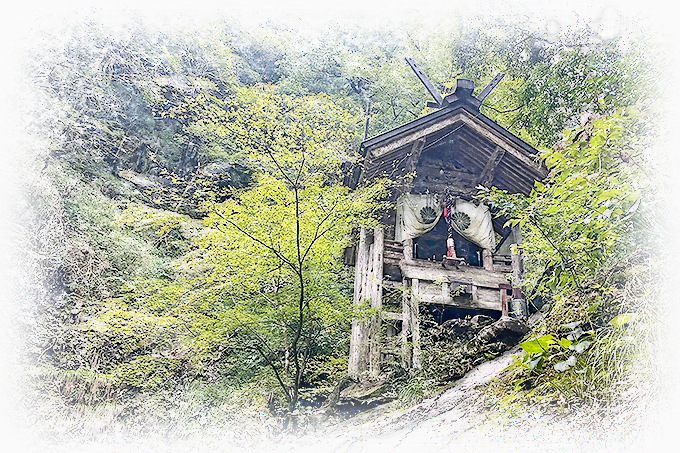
<point>586,231</point>
<point>575,223</point>
<point>273,252</point>
<point>415,390</point>
<point>561,351</point>
<point>147,372</point>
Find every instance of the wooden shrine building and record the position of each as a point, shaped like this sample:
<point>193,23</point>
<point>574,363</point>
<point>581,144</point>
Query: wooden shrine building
<point>439,247</point>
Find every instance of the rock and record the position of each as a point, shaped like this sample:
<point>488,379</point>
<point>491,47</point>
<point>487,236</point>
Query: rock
<point>505,330</point>
<point>479,321</point>
<point>334,396</point>
<point>359,397</point>
<point>363,391</point>
<point>456,326</point>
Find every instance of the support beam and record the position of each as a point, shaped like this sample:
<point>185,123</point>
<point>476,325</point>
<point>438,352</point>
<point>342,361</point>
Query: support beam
<point>486,176</point>
<point>358,350</point>
<point>405,325</point>
<point>408,249</point>
<point>425,81</point>
<point>376,277</point>
<point>495,81</point>
<point>504,298</point>
<point>487,260</point>
<point>517,267</point>
<point>517,271</point>
<point>415,325</point>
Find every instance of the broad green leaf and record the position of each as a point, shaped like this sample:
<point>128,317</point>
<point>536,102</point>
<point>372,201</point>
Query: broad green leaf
<point>623,319</point>
<point>539,344</point>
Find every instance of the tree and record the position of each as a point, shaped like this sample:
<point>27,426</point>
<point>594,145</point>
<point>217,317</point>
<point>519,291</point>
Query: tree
<point>276,245</point>
<point>274,252</point>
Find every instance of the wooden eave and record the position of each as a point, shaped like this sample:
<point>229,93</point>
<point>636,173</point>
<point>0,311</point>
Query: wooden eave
<point>516,168</point>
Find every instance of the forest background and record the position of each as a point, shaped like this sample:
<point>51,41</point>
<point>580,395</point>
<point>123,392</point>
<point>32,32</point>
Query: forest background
<point>260,73</point>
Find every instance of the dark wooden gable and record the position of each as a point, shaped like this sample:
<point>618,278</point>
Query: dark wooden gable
<point>455,147</point>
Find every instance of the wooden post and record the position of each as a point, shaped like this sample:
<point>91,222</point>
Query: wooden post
<point>378,255</point>
<point>516,264</point>
<point>415,324</point>
<point>377,251</point>
<point>504,298</point>
<point>517,272</point>
<point>408,249</point>
<point>487,259</point>
<point>405,325</point>
<point>358,349</point>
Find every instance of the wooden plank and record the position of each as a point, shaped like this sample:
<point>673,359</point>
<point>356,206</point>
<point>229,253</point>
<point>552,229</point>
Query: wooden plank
<point>421,132</point>
<point>435,172</point>
<point>500,141</point>
<point>433,271</point>
<point>422,187</point>
<point>495,81</point>
<point>392,315</point>
<point>483,301</point>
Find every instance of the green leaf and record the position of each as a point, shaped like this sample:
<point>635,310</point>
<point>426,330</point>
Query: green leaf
<point>565,343</point>
<point>623,319</point>
<point>539,344</point>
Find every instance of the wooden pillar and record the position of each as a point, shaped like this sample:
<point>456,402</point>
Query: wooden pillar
<point>516,264</point>
<point>504,297</point>
<point>487,259</point>
<point>415,324</point>
<point>408,249</point>
<point>376,278</point>
<point>358,349</point>
<point>517,271</point>
<point>405,325</point>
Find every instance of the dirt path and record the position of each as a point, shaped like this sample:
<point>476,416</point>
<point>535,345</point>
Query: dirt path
<point>453,422</point>
<point>431,426</point>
